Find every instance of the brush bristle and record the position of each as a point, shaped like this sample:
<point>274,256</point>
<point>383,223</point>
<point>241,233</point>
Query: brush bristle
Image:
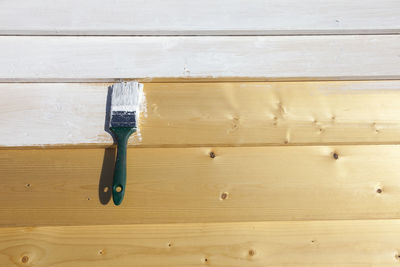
<point>126,96</point>
<point>126,100</point>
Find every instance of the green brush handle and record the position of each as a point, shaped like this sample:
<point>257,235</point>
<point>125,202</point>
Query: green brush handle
<point>122,134</point>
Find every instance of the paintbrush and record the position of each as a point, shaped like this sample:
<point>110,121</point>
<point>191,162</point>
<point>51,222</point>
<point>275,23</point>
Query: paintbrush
<point>126,100</point>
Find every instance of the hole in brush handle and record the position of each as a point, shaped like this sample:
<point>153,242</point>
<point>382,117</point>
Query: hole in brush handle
<point>118,188</point>
<point>118,194</point>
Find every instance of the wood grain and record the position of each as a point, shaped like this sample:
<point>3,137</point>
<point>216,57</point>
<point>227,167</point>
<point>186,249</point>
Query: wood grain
<point>171,185</point>
<point>47,58</point>
<point>206,114</point>
<point>319,243</point>
<point>174,17</point>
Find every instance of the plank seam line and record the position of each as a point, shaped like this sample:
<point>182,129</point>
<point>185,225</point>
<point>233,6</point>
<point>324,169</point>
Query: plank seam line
<point>201,223</point>
<point>99,146</point>
<point>199,79</point>
<point>395,32</point>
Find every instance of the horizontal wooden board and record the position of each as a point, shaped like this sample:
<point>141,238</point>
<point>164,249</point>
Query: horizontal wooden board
<point>319,243</point>
<point>171,185</point>
<point>48,58</point>
<point>174,17</point>
<point>204,114</point>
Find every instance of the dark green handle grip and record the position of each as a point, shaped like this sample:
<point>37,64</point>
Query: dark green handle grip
<point>118,188</point>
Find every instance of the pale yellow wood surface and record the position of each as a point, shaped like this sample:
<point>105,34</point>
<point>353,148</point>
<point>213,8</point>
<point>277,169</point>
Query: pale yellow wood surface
<point>204,114</point>
<point>165,185</point>
<point>318,243</point>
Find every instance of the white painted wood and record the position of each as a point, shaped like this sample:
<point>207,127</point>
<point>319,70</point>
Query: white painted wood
<point>48,114</point>
<point>109,58</point>
<point>198,114</point>
<point>206,17</point>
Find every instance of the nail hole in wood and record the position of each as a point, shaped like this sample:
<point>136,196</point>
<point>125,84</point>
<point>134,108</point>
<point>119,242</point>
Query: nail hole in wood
<point>275,121</point>
<point>224,195</point>
<point>28,185</point>
<point>101,252</point>
<point>379,190</point>
<point>25,259</point>
<point>335,156</point>
<point>169,244</point>
<point>251,252</point>
<point>212,155</point>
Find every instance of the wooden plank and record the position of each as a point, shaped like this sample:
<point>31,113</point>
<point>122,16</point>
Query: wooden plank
<point>207,114</point>
<point>47,58</point>
<point>174,17</point>
<point>171,185</point>
<point>319,243</point>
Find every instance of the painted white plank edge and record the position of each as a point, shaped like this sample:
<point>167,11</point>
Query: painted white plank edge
<point>206,17</point>
<point>92,58</point>
<point>206,114</point>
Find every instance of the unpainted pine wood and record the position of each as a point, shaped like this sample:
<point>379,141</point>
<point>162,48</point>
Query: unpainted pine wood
<point>220,184</point>
<point>206,114</point>
<point>305,243</point>
<point>174,17</point>
<point>66,58</point>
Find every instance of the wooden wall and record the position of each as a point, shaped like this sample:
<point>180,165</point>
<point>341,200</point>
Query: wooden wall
<point>270,138</point>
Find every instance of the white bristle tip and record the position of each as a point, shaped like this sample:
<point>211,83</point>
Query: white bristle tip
<point>126,96</point>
